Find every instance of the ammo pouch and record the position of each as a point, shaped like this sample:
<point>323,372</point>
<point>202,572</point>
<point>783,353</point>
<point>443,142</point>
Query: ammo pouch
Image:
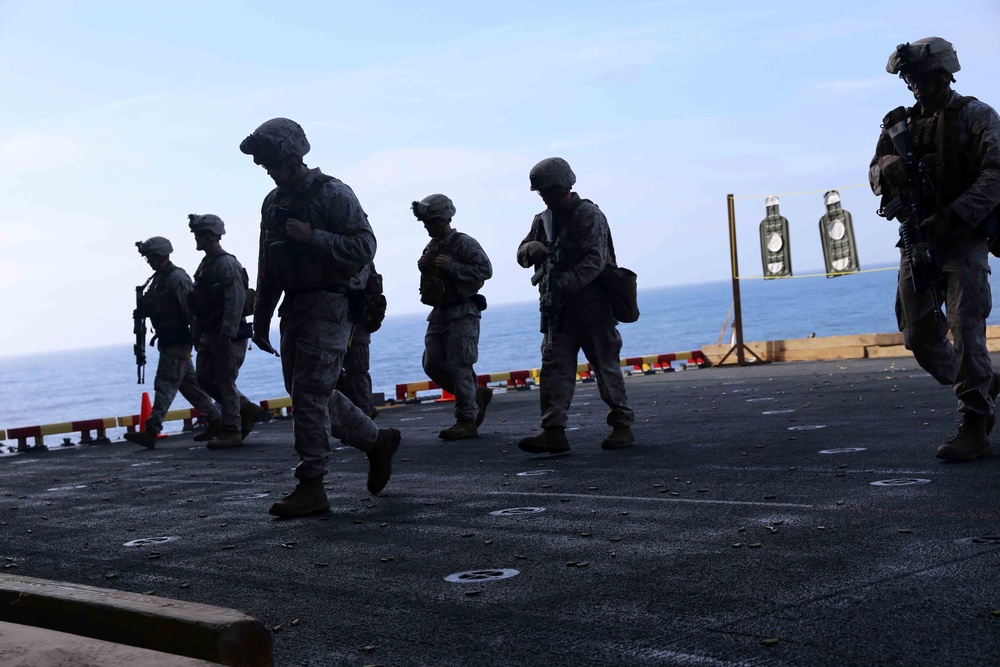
<point>357,305</point>
<point>431,290</point>
<point>245,331</point>
<point>296,271</point>
<point>479,301</point>
<point>175,335</point>
<point>204,301</point>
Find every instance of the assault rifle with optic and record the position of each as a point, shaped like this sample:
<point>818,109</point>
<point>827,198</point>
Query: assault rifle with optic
<point>547,280</point>
<point>139,329</point>
<point>907,207</point>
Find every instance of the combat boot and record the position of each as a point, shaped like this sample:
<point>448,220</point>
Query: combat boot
<point>380,459</point>
<point>145,437</point>
<point>994,391</point>
<point>308,497</point>
<point>460,431</point>
<point>970,443</point>
<point>249,414</point>
<point>483,397</point>
<point>621,436</point>
<point>226,440</point>
<point>549,441</point>
<point>213,429</point>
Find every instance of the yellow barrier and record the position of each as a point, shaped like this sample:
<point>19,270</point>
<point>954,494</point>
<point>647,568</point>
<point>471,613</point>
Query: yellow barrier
<point>83,427</point>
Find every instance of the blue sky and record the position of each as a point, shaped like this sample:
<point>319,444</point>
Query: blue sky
<point>120,118</point>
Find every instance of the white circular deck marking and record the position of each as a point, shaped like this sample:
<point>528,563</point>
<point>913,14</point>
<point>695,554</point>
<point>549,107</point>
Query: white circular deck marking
<point>980,539</point>
<point>843,450</point>
<point>518,511</point>
<point>67,488</point>
<point>245,496</point>
<point>906,481</point>
<point>807,427</point>
<point>147,541</point>
<point>759,400</point>
<point>534,473</point>
<point>410,419</point>
<point>477,576</point>
<point>777,412</point>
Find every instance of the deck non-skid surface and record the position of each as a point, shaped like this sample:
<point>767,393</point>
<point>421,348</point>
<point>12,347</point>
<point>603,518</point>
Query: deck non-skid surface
<point>784,514</point>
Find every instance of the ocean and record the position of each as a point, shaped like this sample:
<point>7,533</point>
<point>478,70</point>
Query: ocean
<point>101,382</point>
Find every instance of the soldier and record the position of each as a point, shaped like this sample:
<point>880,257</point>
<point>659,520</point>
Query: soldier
<point>956,142</point>
<point>166,305</point>
<point>355,381</point>
<point>315,241</point>
<point>570,243</point>
<point>218,302</point>
<point>453,268</point>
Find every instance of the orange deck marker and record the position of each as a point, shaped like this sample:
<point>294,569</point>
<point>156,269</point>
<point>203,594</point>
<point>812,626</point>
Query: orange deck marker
<point>145,411</point>
<point>445,396</point>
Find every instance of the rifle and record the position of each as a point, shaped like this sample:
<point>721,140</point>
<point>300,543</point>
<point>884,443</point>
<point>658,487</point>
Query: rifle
<point>907,206</point>
<point>547,280</point>
<point>139,329</point>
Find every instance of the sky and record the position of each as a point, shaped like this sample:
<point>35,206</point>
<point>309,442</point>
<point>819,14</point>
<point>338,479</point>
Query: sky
<point>121,118</point>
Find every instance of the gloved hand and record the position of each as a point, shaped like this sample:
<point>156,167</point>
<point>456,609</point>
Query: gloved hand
<point>262,334</point>
<point>536,251</point>
<point>938,224</point>
<point>893,171</point>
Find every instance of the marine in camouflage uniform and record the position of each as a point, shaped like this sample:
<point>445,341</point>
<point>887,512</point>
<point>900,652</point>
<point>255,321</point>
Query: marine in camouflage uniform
<point>572,238</point>
<point>453,268</point>
<point>166,305</point>
<point>221,333</point>
<point>957,140</point>
<point>355,381</point>
<point>315,241</point>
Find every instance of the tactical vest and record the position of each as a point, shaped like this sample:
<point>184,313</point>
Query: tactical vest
<point>438,288</point>
<point>207,300</point>
<point>165,314</point>
<point>293,268</point>
<point>935,142</point>
<point>572,253</point>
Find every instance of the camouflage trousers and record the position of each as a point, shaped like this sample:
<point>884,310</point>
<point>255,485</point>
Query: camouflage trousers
<point>355,382</point>
<point>312,356</point>
<point>451,347</point>
<point>175,372</point>
<point>219,363</point>
<point>593,329</point>
<point>965,292</point>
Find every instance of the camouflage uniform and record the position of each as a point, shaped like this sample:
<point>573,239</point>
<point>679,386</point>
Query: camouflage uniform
<point>451,344</point>
<point>965,365</point>
<point>355,381</point>
<point>222,345</point>
<point>315,323</point>
<point>174,370</point>
<point>586,322</point>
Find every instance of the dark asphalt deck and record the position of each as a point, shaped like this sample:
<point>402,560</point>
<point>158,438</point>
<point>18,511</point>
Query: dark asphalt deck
<point>746,527</point>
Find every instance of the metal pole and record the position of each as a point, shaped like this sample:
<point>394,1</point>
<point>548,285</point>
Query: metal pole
<point>734,262</point>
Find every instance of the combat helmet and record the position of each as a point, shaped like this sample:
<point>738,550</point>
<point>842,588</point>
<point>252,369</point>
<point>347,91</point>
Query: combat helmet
<point>924,55</point>
<point>156,246</point>
<point>276,140</point>
<point>552,172</point>
<point>207,222</point>
<point>432,207</point>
